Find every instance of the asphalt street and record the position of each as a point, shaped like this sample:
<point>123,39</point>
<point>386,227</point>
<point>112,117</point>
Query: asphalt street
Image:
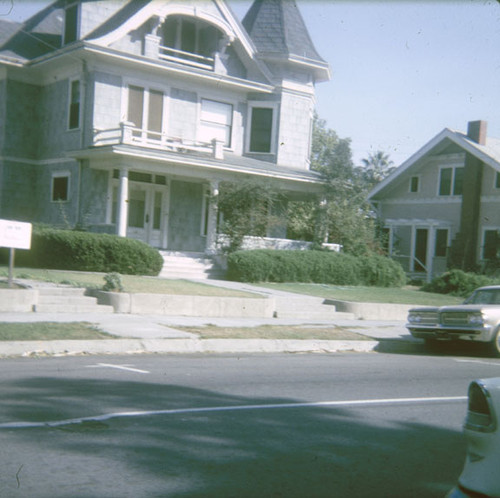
<point>301,425</point>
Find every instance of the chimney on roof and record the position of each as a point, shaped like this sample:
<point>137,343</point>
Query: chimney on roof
<point>476,130</point>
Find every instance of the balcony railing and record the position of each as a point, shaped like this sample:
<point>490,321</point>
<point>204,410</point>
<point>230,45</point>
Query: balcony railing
<point>127,133</point>
<point>188,58</point>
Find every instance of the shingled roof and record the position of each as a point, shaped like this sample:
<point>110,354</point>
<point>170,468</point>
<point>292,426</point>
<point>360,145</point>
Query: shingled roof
<point>277,29</point>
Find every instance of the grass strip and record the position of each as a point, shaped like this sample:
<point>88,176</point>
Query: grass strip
<point>51,331</point>
<point>301,332</point>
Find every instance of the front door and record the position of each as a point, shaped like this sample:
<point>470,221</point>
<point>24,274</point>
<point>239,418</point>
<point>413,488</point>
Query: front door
<point>420,259</point>
<point>146,214</point>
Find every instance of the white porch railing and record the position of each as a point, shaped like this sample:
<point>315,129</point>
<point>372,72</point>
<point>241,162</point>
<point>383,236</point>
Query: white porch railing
<point>251,242</point>
<point>127,133</point>
<point>188,58</point>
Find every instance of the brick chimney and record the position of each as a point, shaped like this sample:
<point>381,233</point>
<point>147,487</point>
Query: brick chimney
<point>466,241</point>
<point>476,130</point>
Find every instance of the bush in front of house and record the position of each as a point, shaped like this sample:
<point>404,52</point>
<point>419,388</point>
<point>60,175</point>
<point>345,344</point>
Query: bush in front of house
<point>314,266</point>
<point>457,283</point>
<point>85,251</point>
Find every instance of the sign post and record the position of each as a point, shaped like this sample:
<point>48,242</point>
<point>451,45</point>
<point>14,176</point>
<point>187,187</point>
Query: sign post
<point>14,235</point>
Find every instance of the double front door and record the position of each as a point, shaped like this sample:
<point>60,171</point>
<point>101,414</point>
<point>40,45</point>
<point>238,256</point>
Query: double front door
<point>147,214</point>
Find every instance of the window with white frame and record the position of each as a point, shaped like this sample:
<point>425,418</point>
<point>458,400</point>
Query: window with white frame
<point>71,23</point>
<point>145,111</point>
<point>60,187</point>
<point>451,181</point>
<point>74,105</point>
<point>261,129</point>
<point>216,121</point>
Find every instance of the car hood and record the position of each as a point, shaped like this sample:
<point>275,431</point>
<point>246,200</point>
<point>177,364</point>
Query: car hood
<point>457,307</point>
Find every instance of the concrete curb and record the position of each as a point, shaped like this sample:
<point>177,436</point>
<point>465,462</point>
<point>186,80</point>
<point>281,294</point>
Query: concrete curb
<point>179,346</point>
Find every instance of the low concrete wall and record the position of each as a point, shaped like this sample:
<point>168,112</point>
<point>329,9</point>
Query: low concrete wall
<point>176,305</point>
<point>373,311</point>
<point>17,300</point>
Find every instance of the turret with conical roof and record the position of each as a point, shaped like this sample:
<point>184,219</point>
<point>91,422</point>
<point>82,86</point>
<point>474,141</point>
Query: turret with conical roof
<point>279,32</point>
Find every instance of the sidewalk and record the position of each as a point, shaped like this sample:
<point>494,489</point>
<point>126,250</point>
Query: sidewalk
<point>158,333</point>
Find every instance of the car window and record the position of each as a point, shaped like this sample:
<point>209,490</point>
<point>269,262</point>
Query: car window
<point>489,296</point>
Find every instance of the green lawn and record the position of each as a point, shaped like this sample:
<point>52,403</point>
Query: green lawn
<point>131,283</point>
<point>50,331</point>
<point>368,294</point>
<point>277,332</point>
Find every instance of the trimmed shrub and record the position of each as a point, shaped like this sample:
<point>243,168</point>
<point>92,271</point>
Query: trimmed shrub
<point>84,251</point>
<point>457,283</point>
<point>314,266</point>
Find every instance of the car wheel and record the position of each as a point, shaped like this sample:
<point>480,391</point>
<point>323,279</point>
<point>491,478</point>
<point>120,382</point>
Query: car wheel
<point>495,344</point>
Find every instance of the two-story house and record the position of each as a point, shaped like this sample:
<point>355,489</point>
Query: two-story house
<point>127,117</point>
<point>446,197</point>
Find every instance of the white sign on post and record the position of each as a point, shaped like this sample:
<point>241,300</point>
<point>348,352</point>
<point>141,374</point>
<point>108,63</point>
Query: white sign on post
<point>15,234</point>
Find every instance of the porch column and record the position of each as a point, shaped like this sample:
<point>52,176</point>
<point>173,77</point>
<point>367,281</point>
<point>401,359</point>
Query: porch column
<point>122,218</point>
<point>211,242</point>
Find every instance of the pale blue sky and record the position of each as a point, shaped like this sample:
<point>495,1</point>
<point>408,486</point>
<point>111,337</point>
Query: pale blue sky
<point>401,70</point>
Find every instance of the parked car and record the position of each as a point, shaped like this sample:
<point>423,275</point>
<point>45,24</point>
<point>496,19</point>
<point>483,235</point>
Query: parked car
<point>477,319</point>
<point>480,476</point>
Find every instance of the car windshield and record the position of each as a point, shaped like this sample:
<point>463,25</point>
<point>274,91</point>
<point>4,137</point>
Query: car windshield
<point>484,296</point>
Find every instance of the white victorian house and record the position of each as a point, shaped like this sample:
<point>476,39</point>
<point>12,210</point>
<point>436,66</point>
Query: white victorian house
<point>126,117</point>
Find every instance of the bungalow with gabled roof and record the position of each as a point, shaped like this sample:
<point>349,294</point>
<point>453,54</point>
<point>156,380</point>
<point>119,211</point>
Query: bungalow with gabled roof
<point>441,206</point>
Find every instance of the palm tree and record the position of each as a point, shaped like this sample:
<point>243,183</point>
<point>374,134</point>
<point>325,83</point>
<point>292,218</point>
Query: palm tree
<point>376,167</point>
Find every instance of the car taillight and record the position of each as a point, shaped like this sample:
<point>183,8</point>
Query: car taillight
<point>480,416</point>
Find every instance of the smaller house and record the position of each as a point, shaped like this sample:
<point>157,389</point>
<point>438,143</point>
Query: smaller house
<point>443,203</point>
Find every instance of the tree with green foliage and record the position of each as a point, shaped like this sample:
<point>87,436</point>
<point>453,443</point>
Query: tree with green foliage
<point>377,166</point>
<point>344,217</point>
<point>246,208</point>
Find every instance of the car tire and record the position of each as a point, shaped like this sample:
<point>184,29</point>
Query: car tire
<point>495,344</point>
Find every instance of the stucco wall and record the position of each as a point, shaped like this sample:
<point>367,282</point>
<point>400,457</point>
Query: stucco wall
<point>295,131</point>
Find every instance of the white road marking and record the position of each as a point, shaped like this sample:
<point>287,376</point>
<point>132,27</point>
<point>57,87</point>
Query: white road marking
<point>208,409</point>
<point>119,367</point>
<point>481,362</point>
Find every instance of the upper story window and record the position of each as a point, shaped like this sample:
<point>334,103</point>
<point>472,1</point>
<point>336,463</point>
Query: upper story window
<point>261,129</point>
<point>71,23</point>
<point>451,181</point>
<point>74,105</point>
<point>145,112</point>
<point>216,121</point>
<point>414,184</point>
<point>192,41</point>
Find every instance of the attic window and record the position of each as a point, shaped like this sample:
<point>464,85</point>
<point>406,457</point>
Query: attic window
<point>414,184</point>
<point>70,23</point>
<point>451,181</point>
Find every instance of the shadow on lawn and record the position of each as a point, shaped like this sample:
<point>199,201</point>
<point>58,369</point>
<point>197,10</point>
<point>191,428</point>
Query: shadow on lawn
<point>294,452</point>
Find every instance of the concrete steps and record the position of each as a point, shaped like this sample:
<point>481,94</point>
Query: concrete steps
<point>310,308</point>
<point>189,265</point>
<point>67,300</point>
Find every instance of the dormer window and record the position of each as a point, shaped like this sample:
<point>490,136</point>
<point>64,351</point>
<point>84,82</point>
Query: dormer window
<point>70,23</point>
<point>189,41</point>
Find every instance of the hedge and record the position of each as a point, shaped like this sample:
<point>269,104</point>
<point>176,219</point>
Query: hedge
<point>265,265</point>
<point>84,251</point>
<point>457,283</point>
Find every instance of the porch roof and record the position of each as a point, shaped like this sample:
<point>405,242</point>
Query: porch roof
<point>191,164</point>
